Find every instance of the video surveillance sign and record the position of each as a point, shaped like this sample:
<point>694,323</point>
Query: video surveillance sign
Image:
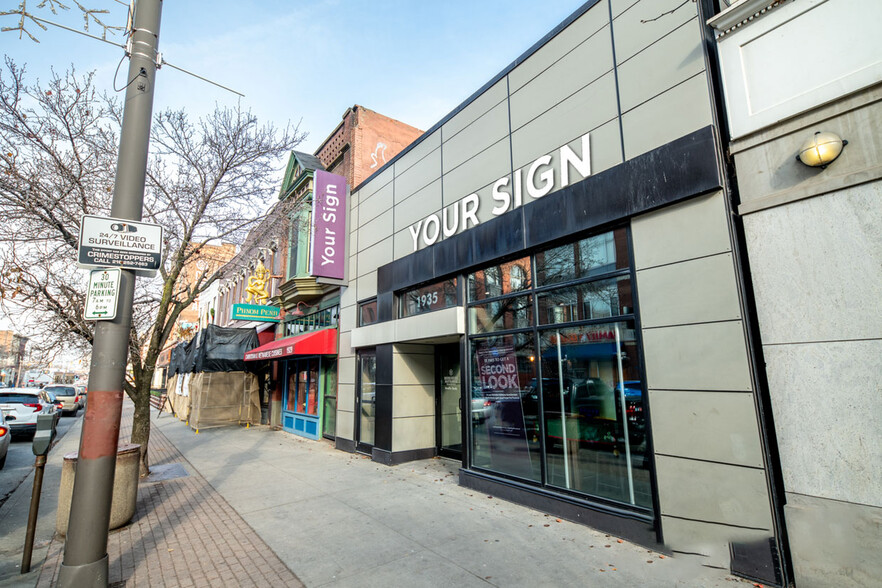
<point>126,244</point>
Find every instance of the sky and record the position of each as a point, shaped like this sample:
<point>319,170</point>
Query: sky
<point>302,62</point>
<point>307,61</point>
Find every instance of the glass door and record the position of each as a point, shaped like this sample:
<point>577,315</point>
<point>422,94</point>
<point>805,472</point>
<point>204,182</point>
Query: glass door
<point>329,399</point>
<point>300,413</point>
<point>366,398</point>
<point>448,401</point>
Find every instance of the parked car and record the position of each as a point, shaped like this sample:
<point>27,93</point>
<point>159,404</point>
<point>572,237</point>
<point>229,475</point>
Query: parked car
<point>72,402</point>
<point>20,407</point>
<point>481,407</point>
<point>53,399</point>
<point>82,392</point>
<point>5,435</point>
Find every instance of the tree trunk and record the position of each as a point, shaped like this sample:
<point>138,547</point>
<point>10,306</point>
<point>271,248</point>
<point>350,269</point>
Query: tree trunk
<point>141,426</point>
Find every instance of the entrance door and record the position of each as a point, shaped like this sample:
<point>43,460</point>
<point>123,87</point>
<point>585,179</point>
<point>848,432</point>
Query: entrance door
<point>329,403</point>
<point>366,400</point>
<point>448,401</point>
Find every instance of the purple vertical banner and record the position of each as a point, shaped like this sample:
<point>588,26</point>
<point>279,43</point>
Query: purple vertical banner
<point>328,256</point>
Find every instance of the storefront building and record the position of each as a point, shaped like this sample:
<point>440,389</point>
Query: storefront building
<point>299,364</point>
<point>548,286</point>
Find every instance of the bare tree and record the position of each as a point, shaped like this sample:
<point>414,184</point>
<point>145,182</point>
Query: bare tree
<point>208,181</point>
<point>28,18</point>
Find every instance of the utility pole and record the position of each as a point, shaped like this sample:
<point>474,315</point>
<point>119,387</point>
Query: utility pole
<point>85,550</point>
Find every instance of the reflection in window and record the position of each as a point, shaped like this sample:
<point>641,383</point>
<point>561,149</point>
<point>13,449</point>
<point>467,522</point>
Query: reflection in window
<point>498,280</point>
<point>589,257</point>
<point>505,411</point>
<point>367,397</point>
<point>582,376</point>
<point>367,313</point>
<point>591,300</point>
<point>329,398</point>
<point>429,298</point>
<point>303,386</point>
<point>594,417</point>
<point>508,313</point>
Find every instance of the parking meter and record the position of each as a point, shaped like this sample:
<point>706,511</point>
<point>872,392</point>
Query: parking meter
<point>45,434</point>
<point>42,440</point>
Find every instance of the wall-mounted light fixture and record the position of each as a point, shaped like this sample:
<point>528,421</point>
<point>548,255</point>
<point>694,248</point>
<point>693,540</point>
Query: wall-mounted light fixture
<point>297,312</point>
<point>821,149</point>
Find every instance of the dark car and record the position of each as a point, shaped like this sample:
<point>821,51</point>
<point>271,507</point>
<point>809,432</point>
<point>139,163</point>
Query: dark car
<point>5,436</point>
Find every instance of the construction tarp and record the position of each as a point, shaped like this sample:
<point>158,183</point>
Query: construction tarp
<point>213,349</point>
<point>177,363</point>
<point>223,398</point>
<point>223,349</point>
<point>209,384</point>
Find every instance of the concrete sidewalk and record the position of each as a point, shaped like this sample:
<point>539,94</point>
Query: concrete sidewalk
<point>14,515</point>
<point>253,507</point>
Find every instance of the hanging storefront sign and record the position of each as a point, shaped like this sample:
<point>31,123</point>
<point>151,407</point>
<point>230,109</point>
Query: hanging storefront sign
<point>255,312</point>
<point>328,252</point>
<point>113,242</point>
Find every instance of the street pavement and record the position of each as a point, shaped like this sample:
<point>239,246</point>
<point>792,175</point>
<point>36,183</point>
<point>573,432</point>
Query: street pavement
<point>238,506</point>
<point>20,458</point>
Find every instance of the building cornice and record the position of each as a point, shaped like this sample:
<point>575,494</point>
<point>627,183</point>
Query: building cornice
<point>742,13</point>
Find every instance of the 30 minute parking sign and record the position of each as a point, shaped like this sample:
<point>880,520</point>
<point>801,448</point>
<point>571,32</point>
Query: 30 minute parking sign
<point>103,295</point>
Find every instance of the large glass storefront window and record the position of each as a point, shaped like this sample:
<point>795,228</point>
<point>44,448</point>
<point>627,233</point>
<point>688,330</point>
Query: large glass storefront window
<point>302,394</point>
<point>557,396</point>
<point>592,399</point>
<point>505,408</point>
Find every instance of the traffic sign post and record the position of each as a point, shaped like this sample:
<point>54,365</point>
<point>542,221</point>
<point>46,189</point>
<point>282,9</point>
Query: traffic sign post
<point>85,561</point>
<point>102,295</point>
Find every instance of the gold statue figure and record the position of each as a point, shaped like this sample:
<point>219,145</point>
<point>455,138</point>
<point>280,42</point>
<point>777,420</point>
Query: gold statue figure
<point>257,285</point>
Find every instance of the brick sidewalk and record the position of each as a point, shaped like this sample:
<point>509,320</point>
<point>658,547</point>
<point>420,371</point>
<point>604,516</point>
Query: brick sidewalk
<point>183,534</point>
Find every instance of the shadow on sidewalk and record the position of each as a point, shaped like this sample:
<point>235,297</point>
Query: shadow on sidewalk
<point>183,532</point>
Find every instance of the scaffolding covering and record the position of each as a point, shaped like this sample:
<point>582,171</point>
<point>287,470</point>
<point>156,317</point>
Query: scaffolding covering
<point>223,398</point>
<point>208,384</point>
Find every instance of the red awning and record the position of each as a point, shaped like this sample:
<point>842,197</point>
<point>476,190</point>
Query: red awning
<point>323,342</point>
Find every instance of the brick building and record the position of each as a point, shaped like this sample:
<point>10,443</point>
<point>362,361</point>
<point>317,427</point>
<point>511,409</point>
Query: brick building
<point>299,383</point>
<point>12,348</point>
<point>362,143</point>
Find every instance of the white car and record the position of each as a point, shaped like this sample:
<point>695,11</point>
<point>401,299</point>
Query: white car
<point>5,435</point>
<point>20,407</point>
<point>481,408</point>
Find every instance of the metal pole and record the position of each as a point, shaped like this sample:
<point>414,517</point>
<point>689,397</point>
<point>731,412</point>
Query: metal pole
<point>39,464</point>
<point>85,550</point>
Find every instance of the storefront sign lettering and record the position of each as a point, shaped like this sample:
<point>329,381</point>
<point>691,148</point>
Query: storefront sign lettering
<point>255,312</point>
<point>498,372</point>
<point>328,226</point>
<point>537,179</point>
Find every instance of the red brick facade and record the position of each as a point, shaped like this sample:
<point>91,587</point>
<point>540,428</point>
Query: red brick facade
<point>363,142</point>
